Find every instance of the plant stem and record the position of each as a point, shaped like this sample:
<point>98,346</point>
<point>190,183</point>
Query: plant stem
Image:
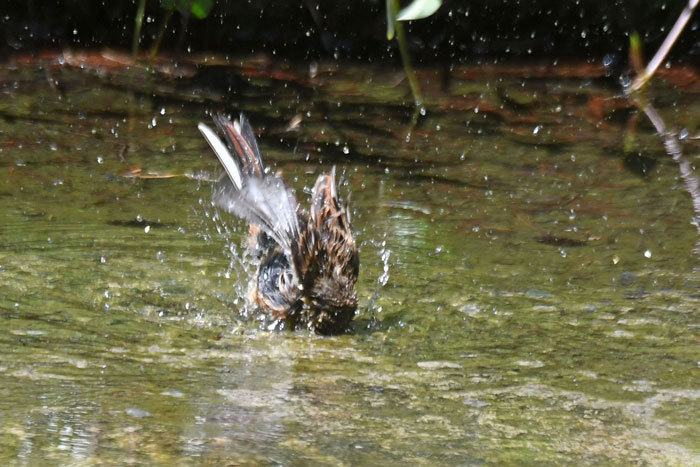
<point>663,51</point>
<point>161,33</point>
<point>138,21</point>
<point>405,57</point>
<point>183,25</point>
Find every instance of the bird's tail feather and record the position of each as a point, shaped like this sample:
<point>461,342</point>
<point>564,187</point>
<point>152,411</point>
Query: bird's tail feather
<point>259,198</point>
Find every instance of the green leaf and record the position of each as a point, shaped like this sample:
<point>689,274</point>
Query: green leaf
<point>201,8</point>
<point>418,9</point>
<point>636,57</point>
<point>636,42</point>
<point>390,18</point>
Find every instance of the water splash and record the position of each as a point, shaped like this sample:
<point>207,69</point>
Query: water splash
<point>215,228</point>
<point>382,280</point>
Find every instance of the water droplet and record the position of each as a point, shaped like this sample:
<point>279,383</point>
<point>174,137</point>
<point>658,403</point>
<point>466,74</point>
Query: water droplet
<point>625,81</point>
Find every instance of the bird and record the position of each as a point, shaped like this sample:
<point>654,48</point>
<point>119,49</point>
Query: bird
<point>307,260</point>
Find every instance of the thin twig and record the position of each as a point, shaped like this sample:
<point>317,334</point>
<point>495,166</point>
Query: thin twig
<point>666,46</point>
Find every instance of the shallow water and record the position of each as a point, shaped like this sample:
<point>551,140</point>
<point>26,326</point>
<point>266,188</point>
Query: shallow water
<point>529,273</point>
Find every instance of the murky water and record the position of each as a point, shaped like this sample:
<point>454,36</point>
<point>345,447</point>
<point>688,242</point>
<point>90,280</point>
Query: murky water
<point>529,278</point>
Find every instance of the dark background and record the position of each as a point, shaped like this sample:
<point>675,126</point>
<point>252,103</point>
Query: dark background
<point>461,31</point>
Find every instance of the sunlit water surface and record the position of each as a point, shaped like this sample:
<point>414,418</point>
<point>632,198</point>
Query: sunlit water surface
<point>529,274</point>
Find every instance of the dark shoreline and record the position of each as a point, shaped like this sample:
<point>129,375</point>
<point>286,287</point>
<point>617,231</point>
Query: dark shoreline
<point>457,33</point>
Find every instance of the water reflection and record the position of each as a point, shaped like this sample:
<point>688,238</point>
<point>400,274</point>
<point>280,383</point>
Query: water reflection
<point>673,148</point>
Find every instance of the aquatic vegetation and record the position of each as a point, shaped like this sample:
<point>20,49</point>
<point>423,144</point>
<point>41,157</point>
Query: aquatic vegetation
<point>418,9</point>
<point>635,49</point>
<point>200,9</point>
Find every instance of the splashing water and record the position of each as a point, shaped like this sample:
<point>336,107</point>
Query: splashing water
<point>239,270</point>
<point>382,280</point>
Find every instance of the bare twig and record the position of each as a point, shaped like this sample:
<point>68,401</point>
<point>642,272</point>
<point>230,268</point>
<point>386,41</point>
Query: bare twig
<point>665,48</point>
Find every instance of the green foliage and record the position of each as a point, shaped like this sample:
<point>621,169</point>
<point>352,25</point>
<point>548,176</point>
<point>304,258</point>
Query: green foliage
<point>200,9</point>
<point>390,19</point>
<point>636,59</point>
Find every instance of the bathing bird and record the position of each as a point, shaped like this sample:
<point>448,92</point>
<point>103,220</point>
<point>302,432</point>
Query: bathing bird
<point>307,261</point>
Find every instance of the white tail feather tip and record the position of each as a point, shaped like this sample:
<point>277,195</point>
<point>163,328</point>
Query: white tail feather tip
<point>223,154</point>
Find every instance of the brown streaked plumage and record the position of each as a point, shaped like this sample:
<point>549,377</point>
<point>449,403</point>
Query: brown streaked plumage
<point>308,262</point>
